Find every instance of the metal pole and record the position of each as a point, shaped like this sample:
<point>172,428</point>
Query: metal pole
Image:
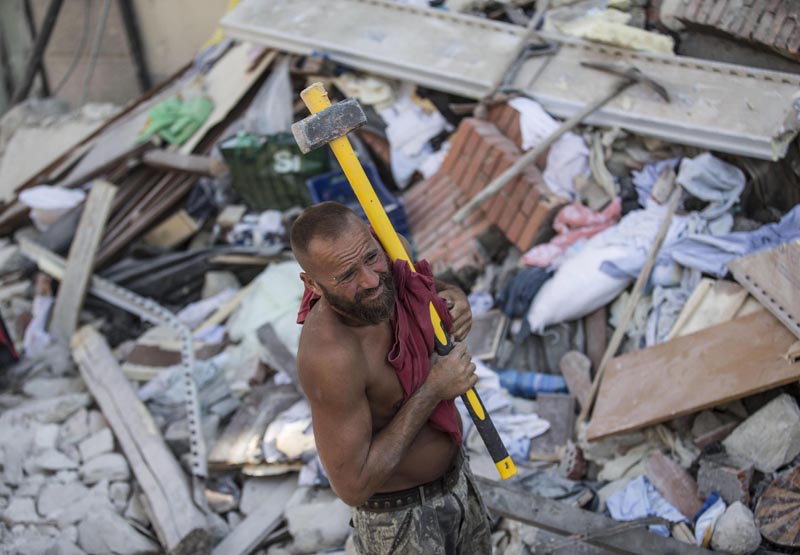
<point>26,4</point>
<point>38,50</point>
<point>135,42</point>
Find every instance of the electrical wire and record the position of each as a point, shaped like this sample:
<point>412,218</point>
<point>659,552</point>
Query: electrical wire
<point>98,40</point>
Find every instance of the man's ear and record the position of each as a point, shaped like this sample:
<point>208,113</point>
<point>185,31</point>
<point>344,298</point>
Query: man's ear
<point>310,283</point>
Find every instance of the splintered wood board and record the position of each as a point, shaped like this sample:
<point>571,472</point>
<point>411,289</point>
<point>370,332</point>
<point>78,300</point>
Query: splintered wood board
<point>691,373</point>
<point>712,302</point>
<point>773,277</point>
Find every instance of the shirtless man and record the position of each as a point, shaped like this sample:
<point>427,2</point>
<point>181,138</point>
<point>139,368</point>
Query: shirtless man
<point>409,484</point>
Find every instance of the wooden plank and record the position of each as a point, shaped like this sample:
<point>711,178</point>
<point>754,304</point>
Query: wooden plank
<point>259,524</point>
<point>564,520</point>
<point>226,83</point>
<point>80,261</point>
<point>773,277</point>
<point>173,231</point>
<point>179,524</point>
<point>596,325</point>
<point>240,443</point>
<point>712,302</point>
<point>691,373</point>
<point>171,160</point>
<point>486,333</point>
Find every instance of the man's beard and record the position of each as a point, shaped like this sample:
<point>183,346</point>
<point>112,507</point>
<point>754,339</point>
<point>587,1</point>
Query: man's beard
<point>372,311</point>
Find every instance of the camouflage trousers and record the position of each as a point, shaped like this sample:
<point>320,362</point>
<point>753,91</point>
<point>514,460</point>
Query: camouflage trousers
<point>453,523</point>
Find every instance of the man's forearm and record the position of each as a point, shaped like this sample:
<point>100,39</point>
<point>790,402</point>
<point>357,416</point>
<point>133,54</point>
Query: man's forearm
<point>391,444</point>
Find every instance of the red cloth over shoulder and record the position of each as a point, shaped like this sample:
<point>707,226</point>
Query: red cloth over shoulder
<point>413,334</point>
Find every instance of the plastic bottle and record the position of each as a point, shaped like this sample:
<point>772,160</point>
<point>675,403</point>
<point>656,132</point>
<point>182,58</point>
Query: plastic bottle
<point>529,384</point>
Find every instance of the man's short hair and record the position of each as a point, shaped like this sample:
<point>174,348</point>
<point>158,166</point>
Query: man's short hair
<point>327,219</point>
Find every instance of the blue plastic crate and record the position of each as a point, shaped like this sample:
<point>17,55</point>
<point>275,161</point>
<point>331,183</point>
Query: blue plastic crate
<point>334,186</point>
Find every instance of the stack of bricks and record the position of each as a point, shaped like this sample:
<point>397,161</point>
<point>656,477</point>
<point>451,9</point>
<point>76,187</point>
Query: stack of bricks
<point>480,151</point>
<point>773,23</point>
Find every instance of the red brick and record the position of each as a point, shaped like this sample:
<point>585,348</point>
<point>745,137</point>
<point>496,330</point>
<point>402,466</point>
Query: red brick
<point>472,140</point>
<point>530,202</point>
<point>762,32</point>
<point>714,12</point>
<point>754,15</point>
<point>506,218</point>
<point>470,180</point>
<point>782,38</point>
<point>460,169</point>
<point>517,227</point>
<point>533,225</point>
<point>793,42</point>
<point>494,211</point>
<point>459,138</point>
<point>705,10</point>
<point>522,190</point>
<point>674,483</point>
<point>690,11</point>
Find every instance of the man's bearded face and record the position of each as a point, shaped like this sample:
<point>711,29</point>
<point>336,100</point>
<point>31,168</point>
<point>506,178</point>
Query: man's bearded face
<point>372,311</point>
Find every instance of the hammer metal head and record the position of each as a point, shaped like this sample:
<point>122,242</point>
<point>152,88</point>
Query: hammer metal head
<point>632,74</point>
<point>331,123</point>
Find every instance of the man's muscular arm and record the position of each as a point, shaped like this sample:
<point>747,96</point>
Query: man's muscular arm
<point>357,463</point>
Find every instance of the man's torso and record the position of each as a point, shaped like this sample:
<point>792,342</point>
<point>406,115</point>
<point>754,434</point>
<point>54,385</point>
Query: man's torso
<point>432,451</point>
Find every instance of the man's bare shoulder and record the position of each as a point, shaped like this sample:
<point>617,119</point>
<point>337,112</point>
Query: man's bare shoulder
<point>328,354</point>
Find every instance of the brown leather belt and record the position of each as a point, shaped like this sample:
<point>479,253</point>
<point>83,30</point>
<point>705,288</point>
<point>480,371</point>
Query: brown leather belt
<point>397,500</point>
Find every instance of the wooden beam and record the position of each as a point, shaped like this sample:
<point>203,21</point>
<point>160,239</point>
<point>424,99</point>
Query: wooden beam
<point>80,262</point>
<point>697,371</point>
<point>179,524</point>
<point>172,160</point>
<point>564,520</point>
<point>240,443</point>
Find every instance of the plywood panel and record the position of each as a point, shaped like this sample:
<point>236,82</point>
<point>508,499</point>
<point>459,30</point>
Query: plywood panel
<point>773,277</point>
<point>701,370</point>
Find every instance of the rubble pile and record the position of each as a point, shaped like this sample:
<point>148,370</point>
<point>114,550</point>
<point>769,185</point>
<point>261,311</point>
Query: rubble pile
<point>634,298</point>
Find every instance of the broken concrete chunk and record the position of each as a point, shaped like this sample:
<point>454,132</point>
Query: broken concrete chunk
<point>110,466</point>
<point>736,532</point>
<point>20,510</point>
<point>45,437</point>
<point>96,421</point>
<point>729,477</point>
<point>30,486</point>
<point>13,458</point>
<point>104,531</point>
<point>54,460</point>
<point>705,422</point>
<point>74,513</point>
<point>74,429</point>
<point>319,524</point>
<point>118,492</point>
<point>257,491</point>
<point>96,444</point>
<point>47,388</point>
<point>55,497</point>
<point>770,438</point>
<point>45,410</point>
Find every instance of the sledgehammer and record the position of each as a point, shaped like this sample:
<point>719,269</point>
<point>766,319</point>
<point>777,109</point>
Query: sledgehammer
<point>329,125</point>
